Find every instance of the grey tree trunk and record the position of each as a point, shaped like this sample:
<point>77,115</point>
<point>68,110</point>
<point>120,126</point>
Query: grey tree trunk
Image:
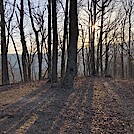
<point>4,49</point>
<point>71,71</point>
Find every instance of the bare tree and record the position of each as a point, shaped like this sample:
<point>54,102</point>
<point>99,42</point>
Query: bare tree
<point>103,6</point>
<point>25,55</point>
<point>64,40</point>
<point>93,22</point>
<point>36,32</point>
<point>55,42</point>
<point>49,38</point>
<point>4,48</point>
<point>71,71</point>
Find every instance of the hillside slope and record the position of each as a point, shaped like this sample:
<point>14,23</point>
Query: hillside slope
<point>95,105</point>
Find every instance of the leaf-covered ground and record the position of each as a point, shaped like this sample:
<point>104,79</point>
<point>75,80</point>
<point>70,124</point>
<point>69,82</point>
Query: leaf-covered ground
<point>95,105</point>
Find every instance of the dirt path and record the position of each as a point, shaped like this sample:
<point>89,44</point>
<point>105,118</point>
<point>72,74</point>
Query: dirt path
<point>96,105</point>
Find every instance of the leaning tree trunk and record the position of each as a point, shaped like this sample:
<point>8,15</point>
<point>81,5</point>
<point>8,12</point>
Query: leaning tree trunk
<point>71,71</point>
<point>4,49</point>
<point>18,59</point>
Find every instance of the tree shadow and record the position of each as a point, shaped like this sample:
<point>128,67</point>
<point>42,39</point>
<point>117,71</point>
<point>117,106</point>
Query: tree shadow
<point>51,110</point>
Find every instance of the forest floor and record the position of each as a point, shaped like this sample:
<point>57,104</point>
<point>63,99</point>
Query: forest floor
<point>96,105</point>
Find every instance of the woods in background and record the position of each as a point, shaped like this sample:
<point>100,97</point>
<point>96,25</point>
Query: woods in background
<point>58,38</point>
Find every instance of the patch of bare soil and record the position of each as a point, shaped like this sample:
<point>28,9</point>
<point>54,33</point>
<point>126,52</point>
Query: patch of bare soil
<point>12,93</point>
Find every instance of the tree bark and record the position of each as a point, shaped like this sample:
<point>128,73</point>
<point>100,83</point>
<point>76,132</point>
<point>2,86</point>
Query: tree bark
<point>100,40</point>
<point>64,41</point>
<point>55,42</point>
<point>49,39</point>
<point>71,71</point>
<point>129,44</point>
<point>37,42</point>
<point>23,41</point>
<point>107,56</point>
<point>93,39</point>
<point>18,59</point>
<point>4,49</point>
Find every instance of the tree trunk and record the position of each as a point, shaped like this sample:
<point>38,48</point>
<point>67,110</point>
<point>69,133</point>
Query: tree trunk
<point>122,62</point>
<point>49,39</point>
<point>89,46</point>
<point>37,42</point>
<point>115,60</point>
<point>107,56</point>
<point>23,41</point>
<point>100,41</point>
<point>71,71</point>
<point>129,47</point>
<point>55,42</point>
<point>83,54</point>
<point>64,41</point>
<point>93,40</point>
<point>98,58</point>
<point>4,49</point>
<point>18,59</point>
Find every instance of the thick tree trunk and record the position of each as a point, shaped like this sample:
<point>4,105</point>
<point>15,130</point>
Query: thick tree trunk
<point>71,71</point>
<point>4,49</point>
<point>55,42</point>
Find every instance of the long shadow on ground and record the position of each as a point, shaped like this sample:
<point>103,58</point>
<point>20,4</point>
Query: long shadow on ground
<point>51,111</point>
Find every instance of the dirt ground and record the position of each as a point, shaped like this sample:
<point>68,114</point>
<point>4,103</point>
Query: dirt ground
<point>95,105</point>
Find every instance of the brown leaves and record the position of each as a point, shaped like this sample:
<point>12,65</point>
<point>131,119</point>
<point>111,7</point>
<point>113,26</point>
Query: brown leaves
<point>96,105</point>
<point>11,94</point>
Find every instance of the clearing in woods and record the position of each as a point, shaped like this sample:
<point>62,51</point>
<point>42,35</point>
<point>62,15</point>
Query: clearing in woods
<point>96,105</point>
